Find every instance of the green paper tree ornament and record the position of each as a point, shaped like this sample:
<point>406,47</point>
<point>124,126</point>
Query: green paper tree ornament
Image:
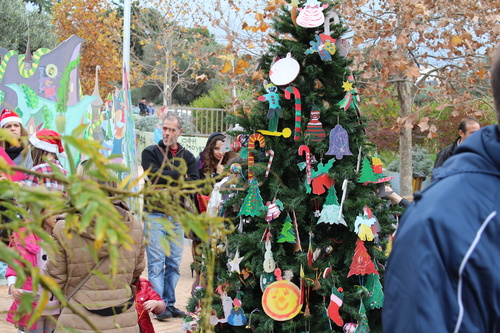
<point>367,175</point>
<point>331,209</point>
<point>376,299</point>
<point>363,322</point>
<point>253,204</point>
<point>287,233</point>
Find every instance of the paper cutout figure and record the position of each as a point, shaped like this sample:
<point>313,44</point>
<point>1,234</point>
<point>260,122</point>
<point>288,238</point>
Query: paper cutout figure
<point>362,263</point>
<point>253,205</point>
<point>336,300</point>
<point>374,287</point>
<point>256,137</point>
<point>284,70</point>
<point>303,149</point>
<point>363,322</point>
<point>321,181</point>
<point>314,126</point>
<point>287,233</point>
<point>275,109</point>
<point>363,224</point>
<point>331,209</point>
<point>351,97</point>
<point>234,264</point>
<point>269,264</point>
<point>324,45</point>
<point>377,164</point>
<point>280,300</point>
<point>266,279</point>
<point>298,110</point>
<point>237,316</point>
<point>339,142</point>
<point>311,16</point>
<point>273,209</point>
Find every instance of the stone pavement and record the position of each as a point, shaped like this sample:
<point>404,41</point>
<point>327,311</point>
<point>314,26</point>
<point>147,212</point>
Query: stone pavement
<point>172,325</point>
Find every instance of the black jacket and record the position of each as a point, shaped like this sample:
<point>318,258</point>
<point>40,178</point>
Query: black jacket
<point>445,153</point>
<point>152,159</point>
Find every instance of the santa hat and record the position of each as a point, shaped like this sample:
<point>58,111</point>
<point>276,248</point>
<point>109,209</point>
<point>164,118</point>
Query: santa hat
<point>48,140</point>
<point>7,116</point>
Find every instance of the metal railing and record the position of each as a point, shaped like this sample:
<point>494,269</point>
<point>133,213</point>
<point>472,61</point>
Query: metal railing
<point>202,121</point>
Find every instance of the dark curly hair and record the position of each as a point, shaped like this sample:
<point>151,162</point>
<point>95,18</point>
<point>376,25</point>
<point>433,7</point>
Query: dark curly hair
<point>209,160</point>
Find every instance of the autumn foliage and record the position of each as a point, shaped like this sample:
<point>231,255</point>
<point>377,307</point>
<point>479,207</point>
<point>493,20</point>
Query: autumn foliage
<point>94,21</point>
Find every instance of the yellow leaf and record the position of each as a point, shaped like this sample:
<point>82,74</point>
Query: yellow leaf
<point>455,41</point>
<point>227,67</point>
<point>240,66</point>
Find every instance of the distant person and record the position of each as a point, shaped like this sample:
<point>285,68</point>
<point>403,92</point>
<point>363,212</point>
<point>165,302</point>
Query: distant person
<point>467,126</point>
<point>164,271</point>
<point>143,108</point>
<point>11,121</point>
<point>151,110</point>
<point>442,274</point>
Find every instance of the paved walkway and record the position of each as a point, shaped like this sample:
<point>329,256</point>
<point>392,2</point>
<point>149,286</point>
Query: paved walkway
<point>172,325</point>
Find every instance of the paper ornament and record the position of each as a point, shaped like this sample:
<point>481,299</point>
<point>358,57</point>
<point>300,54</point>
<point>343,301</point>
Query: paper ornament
<point>339,142</point>
<point>237,316</point>
<point>321,181</point>
<point>361,262</point>
<point>350,328</point>
<point>351,97</point>
<point>374,287</point>
<point>331,212</point>
<point>293,12</point>
<point>297,247</point>
<point>363,225</point>
<point>377,164</point>
<point>342,47</point>
<point>311,16</point>
<point>253,204</point>
<point>273,209</point>
<point>324,45</point>
<point>289,91</point>
<point>266,279</point>
<point>269,153</point>
<point>284,70</point>
<point>234,264</point>
<point>369,176</point>
<point>269,265</point>
<point>280,300</point>
<point>287,233</point>
<point>304,150</point>
<point>286,132</point>
<point>310,252</point>
<point>236,146</point>
<point>274,111</point>
<point>314,126</point>
<point>336,300</point>
<point>256,137</point>
<point>363,321</point>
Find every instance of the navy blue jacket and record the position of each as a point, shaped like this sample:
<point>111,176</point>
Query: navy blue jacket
<point>443,274</point>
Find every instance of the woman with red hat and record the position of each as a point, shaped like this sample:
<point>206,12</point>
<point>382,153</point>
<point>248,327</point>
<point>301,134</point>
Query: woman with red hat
<point>11,121</point>
<point>46,145</point>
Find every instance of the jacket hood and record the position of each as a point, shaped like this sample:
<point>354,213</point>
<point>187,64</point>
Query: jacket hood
<point>89,233</point>
<point>480,153</point>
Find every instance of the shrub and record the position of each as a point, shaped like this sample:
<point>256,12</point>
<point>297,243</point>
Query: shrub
<point>422,162</point>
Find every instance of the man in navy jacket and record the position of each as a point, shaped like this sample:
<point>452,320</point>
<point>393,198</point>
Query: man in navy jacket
<point>443,272</point>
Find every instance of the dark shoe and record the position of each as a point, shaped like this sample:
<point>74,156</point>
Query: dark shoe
<point>176,313</point>
<point>164,315</point>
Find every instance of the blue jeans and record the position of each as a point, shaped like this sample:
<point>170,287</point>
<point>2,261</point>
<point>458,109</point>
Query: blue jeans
<point>163,271</point>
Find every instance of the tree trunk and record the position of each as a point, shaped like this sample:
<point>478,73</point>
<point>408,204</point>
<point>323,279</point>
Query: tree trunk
<point>405,97</point>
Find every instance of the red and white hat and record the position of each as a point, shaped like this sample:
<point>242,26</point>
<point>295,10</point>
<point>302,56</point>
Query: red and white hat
<point>48,140</point>
<point>7,116</point>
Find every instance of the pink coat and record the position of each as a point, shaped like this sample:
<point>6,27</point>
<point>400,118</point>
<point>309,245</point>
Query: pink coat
<point>27,248</point>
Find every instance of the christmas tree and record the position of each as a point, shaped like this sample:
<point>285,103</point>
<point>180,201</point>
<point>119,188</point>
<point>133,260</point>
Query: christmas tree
<point>308,79</point>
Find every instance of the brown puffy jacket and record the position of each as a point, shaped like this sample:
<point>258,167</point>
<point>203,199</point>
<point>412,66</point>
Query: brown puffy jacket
<point>74,261</point>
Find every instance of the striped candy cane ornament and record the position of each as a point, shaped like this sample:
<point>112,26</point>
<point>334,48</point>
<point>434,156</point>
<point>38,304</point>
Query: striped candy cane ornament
<point>298,109</point>
<point>256,137</point>
<point>269,153</point>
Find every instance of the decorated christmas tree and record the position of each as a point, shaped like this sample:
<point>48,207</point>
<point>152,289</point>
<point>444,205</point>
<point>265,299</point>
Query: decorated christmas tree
<point>315,286</point>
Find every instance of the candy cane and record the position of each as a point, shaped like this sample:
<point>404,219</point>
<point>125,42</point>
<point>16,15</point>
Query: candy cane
<point>298,109</point>
<point>269,153</point>
<point>256,137</point>
<point>305,149</point>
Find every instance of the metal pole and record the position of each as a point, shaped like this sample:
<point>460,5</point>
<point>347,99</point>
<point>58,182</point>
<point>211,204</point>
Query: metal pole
<point>126,37</point>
